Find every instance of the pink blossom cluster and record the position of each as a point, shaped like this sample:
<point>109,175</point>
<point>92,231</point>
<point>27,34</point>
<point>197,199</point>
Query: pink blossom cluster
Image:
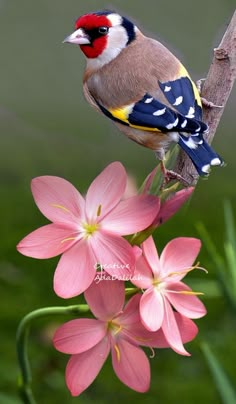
<point>97,260</point>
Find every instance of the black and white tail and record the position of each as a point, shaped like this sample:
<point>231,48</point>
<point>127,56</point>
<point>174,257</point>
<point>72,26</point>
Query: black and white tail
<point>199,151</point>
<point>183,95</point>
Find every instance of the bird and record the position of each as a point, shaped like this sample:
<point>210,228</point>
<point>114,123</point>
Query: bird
<point>141,86</point>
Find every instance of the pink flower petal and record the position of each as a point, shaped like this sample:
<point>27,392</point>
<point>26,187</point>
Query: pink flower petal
<point>58,200</point>
<point>114,253</point>
<point>143,276</point>
<point>83,368</point>
<point>131,366</point>
<point>132,215</point>
<point>172,205</point>
<point>131,187</point>
<point>75,270</point>
<point>151,255</point>
<point>188,305</point>
<point>130,314</point>
<point>171,330</point>
<point>152,309</point>
<point>137,252</point>
<point>149,179</point>
<point>47,241</point>
<point>187,329</point>
<point>106,191</point>
<point>179,255</point>
<point>105,298</point>
<point>132,328</point>
<point>79,335</point>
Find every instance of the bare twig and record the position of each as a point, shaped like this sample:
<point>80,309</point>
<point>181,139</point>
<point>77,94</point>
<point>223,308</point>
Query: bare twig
<point>217,88</point>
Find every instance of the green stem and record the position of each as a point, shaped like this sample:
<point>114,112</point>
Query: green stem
<point>22,343</point>
<point>131,291</point>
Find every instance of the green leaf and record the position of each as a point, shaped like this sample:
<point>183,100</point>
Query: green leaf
<point>210,288</point>
<point>7,399</point>
<point>222,381</point>
<point>226,267</point>
<point>230,226</point>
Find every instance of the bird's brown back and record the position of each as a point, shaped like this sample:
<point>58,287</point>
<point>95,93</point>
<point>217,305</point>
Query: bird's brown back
<point>133,73</point>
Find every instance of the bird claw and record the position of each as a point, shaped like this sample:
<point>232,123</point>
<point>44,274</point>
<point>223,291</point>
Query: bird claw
<point>209,104</point>
<point>170,175</point>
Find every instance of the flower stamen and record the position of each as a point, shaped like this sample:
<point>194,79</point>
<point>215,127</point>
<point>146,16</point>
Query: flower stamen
<point>185,292</point>
<point>187,270</point>
<point>99,210</point>
<point>152,353</point>
<point>117,352</point>
<point>68,239</point>
<point>141,339</point>
<point>55,205</point>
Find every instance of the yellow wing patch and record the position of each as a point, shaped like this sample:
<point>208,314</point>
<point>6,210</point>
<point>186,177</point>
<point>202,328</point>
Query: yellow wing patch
<point>184,73</point>
<point>123,115</point>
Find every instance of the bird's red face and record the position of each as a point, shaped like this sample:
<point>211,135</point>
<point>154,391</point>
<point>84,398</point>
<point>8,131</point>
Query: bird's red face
<point>102,35</point>
<point>91,34</point>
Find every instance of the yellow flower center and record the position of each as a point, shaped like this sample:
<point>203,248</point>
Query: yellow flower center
<point>114,327</point>
<point>156,282</point>
<point>90,229</point>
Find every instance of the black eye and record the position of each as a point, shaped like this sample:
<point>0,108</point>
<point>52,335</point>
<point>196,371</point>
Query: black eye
<point>103,30</point>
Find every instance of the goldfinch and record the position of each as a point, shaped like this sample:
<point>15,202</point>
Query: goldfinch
<point>142,87</point>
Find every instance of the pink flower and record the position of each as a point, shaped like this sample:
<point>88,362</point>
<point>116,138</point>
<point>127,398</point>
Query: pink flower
<point>118,330</point>
<point>172,204</point>
<point>161,277</point>
<point>87,231</point>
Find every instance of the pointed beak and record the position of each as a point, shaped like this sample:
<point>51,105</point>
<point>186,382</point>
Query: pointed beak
<point>79,37</point>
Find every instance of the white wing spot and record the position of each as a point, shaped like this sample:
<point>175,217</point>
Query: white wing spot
<point>215,162</point>
<point>148,100</point>
<point>171,125</point>
<point>191,113</point>
<point>190,143</point>
<point>206,168</point>
<point>167,88</point>
<point>176,122</point>
<point>159,112</point>
<point>184,123</point>
<point>178,100</point>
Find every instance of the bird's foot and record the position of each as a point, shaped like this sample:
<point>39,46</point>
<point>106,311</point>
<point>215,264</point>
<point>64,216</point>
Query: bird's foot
<point>170,175</point>
<point>209,104</point>
<point>205,102</point>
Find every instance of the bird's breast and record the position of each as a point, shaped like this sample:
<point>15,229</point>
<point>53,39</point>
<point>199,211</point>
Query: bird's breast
<point>157,141</point>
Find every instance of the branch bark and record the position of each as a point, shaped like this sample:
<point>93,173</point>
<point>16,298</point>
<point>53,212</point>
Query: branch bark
<point>216,88</point>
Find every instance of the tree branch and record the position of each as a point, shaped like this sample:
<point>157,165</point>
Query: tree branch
<point>216,88</point>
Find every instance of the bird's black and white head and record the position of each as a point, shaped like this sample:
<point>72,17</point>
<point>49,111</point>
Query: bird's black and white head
<point>102,35</point>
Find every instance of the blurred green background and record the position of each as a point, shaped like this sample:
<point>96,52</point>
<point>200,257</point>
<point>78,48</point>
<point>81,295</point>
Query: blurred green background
<point>47,128</point>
